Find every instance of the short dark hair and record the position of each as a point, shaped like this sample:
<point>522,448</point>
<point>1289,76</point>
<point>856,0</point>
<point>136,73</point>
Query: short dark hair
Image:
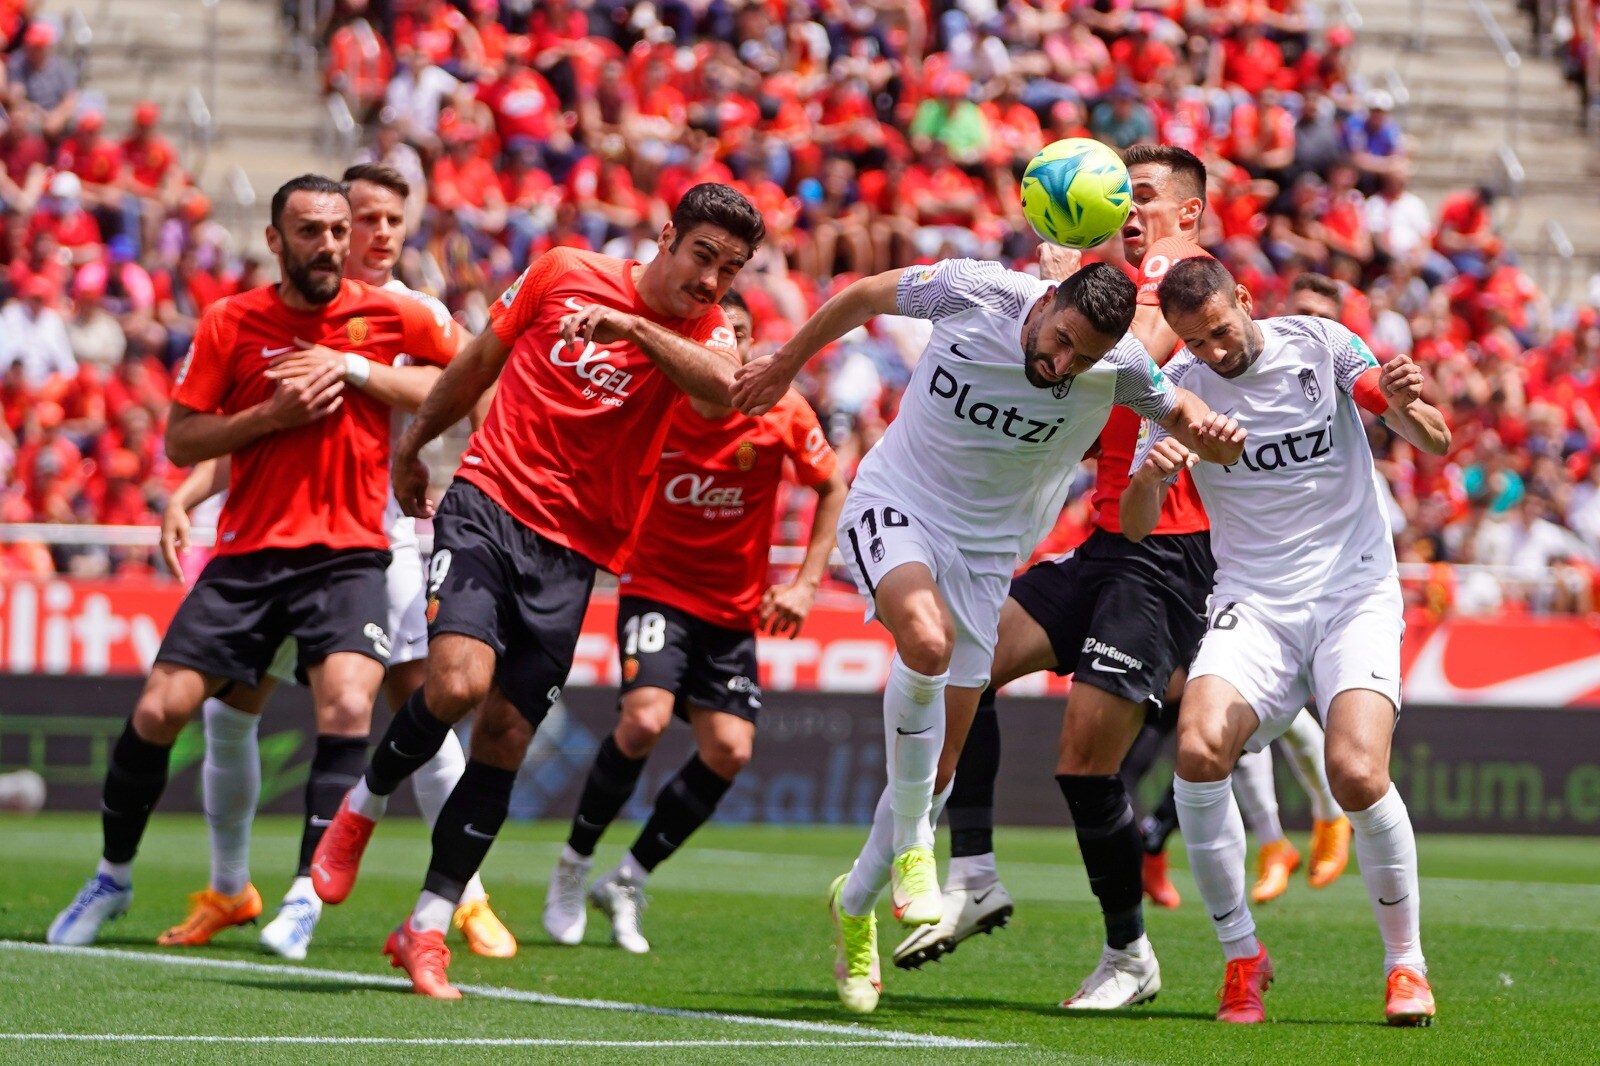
<point>1187,170</point>
<point>380,174</point>
<point>711,204</point>
<point>732,301</point>
<point>1191,282</point>
<point>304,183</point>
<point>1321,284</point>
<point>1103,295</point>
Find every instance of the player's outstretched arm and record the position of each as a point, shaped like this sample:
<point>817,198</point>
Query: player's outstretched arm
<point>702,372</point>
<point>1400,380</point>
<point>1147,489</point>
<point>467,377</point>
<point>400,387</point>
<point>1215,437</point>
<point>784,607</point>
<point>204,481</point>
<point>193,436</point>
<point>761,383</point>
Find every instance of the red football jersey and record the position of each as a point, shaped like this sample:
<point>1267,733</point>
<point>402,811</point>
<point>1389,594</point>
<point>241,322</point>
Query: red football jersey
<point>571,442</point>
<point>1182,512</point>
<point>704,541</point>
<point>325,482</point>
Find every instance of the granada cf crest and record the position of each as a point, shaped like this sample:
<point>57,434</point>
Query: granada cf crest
<point>1308,384</point>
<point>356,329</point>
<point>1061,388</point>
<point>745,455</point>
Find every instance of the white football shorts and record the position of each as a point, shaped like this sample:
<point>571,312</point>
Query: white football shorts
<point>875,536</point>
<point>1281,656</point>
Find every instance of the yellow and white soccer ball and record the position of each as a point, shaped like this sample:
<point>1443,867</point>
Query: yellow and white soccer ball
<point>1075,193</point>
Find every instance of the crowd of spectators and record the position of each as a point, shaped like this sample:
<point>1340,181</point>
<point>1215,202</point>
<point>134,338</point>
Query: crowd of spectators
<point>872,134</point>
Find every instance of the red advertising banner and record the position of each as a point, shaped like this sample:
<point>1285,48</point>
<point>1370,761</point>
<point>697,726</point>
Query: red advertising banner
<point>114,628</point>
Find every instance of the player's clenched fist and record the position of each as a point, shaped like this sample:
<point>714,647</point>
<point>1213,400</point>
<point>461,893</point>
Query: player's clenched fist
<point>307,397</point>
<point>1167,459</point>
<point>760,384</point>
<point>1401,381</point>
<point>597,323</point>
<point>1221,438</point>
<point>409,475</point>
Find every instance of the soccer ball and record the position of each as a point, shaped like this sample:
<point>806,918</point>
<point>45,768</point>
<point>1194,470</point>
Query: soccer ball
<point>1075,193</point>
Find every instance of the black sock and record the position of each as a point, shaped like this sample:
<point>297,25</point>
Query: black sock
<point>682,806</point>
<point>1158,826</point>
<point>335,768</point>
<point>135,778</point>
<point>1109,840</point>
<point>971,807</point>
<point>612,780</point>
<point>414,736</point>
<point>467,826</point>
<point>1141,755</point>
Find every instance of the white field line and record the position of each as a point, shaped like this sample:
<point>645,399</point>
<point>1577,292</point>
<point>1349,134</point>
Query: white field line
<point>515,995</point>
<point>466,1041</point>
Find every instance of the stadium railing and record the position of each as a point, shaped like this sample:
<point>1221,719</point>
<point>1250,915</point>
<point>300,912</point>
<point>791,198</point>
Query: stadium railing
<point>1513,67</point>
<point>1515,583</point>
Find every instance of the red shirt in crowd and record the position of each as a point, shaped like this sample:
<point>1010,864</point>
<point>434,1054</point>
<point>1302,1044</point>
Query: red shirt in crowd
<point>1182,512</point>
<point>149,158</point>
<point>523,104</point>
<point>571,442</point>
<point>325,482</point>
<point>711,517</point>
<point>99,163</point>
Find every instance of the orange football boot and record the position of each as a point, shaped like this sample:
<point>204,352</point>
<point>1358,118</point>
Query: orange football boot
<point>1330,851</point>
<point>424,957</point>
<point>1157,885</point>
<point>209,914</point>
<point>1276,861</point>
<point>486,934</point>
<point>1409,1000</point>
<point>338,856</point>
<point>1243,985</point>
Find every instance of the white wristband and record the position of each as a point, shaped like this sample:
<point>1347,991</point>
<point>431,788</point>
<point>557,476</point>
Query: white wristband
<point>356,369</point>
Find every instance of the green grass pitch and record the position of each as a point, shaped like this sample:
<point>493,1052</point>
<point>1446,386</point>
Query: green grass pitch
<point>739,927</point>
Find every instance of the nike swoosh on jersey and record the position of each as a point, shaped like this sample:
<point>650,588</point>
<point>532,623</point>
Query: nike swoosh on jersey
<point>1098,664</point>
<point>955,350</point>
<point>273,353</point>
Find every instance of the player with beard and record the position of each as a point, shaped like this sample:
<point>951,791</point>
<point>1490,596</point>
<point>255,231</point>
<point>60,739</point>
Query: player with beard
<point>231,774</point>
<point>590,354</point>
<point>1121,618</point>
<point>967,479</point>
<point>300,545</point>
<point>1307,604</point>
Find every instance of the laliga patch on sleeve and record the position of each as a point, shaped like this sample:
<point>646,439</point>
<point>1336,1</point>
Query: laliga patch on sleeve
<point>1362,350</point>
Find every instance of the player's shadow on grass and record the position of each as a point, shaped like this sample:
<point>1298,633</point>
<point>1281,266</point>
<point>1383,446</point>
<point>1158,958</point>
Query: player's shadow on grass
<point>828,1008</point>
<point>290,983</point>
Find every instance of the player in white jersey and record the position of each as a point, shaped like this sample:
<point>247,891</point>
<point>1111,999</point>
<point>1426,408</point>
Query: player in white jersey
<point>1307,602</point>
<point>1015,384</point>
<point>231,775</point>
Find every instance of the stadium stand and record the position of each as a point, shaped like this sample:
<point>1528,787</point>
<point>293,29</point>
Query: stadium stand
<point>872,135</point>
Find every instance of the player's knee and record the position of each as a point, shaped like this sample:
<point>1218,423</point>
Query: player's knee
<point>452,692</point>
<point>501,741</point>
<point>158,719</point>
<point>1202,756</point>
<point>927,647</point>
<point>347,712</point>
<point>726,756</point>
<point>637,735</point>
<point>1357,782</point>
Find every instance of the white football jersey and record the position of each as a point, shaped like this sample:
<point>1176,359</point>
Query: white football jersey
<point>1300,513</point>
<point>976,451</point>
<point>401,527</point>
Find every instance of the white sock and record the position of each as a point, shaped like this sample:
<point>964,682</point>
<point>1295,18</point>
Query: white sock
<point>630,870</point>
<point>231,785</point>
<point>913,729</point>
<point>1213,832</point>
<point>1258,795</point>
<point>1386,848</point>
<point>433,784</point>
<point>1306,741</point>
<point>433,913</point>
<point>971,871</point>
<point>570,856</point>
<point>362,801</point>
<point>870,874</point>
<point>121,873</point>
<point>300,888</point>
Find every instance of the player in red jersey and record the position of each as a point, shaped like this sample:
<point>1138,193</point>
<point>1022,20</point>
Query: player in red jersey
<point>300,546</point>
<point>693,595</point>
<point>1122,618</point>
<point>591,354</point>
<point>231,774</point>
